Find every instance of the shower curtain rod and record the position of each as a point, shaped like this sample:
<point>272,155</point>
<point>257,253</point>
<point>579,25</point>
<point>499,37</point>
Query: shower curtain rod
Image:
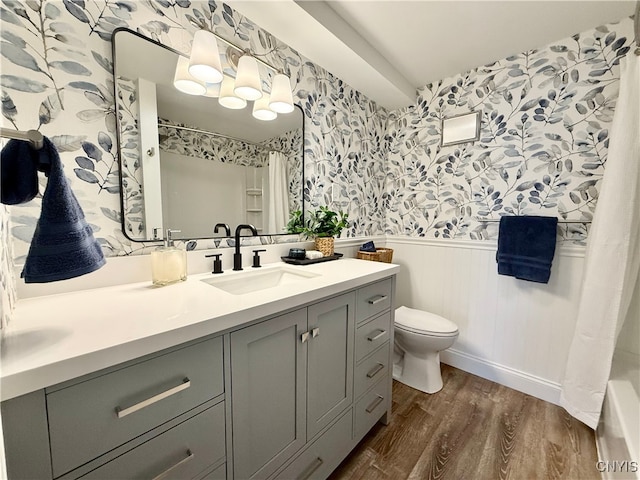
<point>495,220</point>
<point>34,137</point>
<point>229,137</point>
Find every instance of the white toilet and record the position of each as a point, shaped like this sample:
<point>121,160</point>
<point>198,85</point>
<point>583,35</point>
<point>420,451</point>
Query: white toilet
<point>419,338</point>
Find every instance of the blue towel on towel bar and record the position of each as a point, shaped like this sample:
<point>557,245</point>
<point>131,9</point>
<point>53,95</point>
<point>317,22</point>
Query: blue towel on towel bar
<point>18,173</point>
<point>526,245</point>
<point>63,245</point>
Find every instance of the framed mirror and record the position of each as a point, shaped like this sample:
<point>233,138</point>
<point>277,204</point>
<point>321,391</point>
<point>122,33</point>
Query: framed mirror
<point>187,163</point>
<point>461,128</point>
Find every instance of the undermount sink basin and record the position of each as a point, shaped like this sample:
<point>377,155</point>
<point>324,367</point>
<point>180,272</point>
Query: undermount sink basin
<point>254,280</point>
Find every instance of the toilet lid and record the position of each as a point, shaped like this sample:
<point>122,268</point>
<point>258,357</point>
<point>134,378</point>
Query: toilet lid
<point>419,321</point>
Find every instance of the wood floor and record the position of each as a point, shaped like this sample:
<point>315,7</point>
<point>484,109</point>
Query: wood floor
<point>473,429</point>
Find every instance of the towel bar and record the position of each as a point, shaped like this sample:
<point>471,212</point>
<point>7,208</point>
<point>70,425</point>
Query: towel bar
<point>492,220</point>
<point>34,137</point>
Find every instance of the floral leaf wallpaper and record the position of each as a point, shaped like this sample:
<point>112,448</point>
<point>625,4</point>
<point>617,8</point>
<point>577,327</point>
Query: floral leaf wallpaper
<point>57,77</point>
<point>546,115</point>
<point>543,146</point>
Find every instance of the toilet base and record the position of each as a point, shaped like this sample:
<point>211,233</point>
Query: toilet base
<point>420,373</point>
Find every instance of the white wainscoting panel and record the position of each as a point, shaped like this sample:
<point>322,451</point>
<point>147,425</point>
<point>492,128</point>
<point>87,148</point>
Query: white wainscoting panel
<point>512,331</point>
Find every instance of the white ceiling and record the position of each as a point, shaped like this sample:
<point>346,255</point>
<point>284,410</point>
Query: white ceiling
<point>389,48</point>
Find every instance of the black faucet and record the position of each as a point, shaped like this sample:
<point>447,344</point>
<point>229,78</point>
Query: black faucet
<point>223,225</point>
<point>237,257</point>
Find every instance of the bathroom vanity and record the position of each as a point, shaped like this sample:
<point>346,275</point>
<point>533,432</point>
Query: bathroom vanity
<point>194,381</point>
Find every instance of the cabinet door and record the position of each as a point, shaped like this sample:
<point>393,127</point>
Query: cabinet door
<point>330,356</point>
<point>268,371</point>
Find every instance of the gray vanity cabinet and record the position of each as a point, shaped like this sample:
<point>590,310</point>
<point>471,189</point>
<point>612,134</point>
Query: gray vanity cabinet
<point>291,377</point>
<point>330,361</point>
<point>268,381</point>
<point>288,396</point>
<point>158,416</point>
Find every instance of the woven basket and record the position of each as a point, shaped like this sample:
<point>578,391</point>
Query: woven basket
<point>380,255</point>
<point>325,245</point>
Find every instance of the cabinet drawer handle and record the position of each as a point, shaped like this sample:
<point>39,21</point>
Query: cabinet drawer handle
<point>315,332</point>
<point>374,404</point>
<point>123,412</point>
<point>376,299</point>
<point>189,456</point>
<point>375,370</point>
<point>304,337</point>
<point>376,337</point>
<point>310,470</point>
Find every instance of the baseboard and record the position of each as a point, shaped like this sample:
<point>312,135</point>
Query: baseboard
<point>509,377</point>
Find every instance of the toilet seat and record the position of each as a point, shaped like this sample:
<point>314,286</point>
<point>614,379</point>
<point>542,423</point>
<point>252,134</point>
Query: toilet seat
<point>424,323</point>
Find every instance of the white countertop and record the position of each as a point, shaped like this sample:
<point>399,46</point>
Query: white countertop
<point>55,338</point>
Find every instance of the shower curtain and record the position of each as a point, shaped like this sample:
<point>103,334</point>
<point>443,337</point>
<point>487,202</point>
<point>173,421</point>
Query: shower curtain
<point>612,258</point>
<point>278,211</point>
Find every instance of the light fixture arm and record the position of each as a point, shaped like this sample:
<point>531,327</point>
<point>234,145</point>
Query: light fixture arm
<point>246,50</point>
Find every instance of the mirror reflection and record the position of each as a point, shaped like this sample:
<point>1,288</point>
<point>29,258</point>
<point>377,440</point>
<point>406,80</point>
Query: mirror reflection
<point>188,163</point>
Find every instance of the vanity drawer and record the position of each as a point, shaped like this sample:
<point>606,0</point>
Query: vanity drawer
<point>371,370</point>
<point>323,455</point>
<point>373,299</point>
<point>182,452</point>
<point>90,418</point>
<point>371,335</point>
<point>370,408</point>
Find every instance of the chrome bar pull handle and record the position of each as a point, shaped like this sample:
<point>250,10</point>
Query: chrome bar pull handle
<point>375,370</point>
<point>188,458</point>
<point>376,337</point>
<point>315,332</point>
<point>310,470</point>
<point>377,299</point>
<point>123,412</point>
<point>374,404</point>
<point>304,337</point>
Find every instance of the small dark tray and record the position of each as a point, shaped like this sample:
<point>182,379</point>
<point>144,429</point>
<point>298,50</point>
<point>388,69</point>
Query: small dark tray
<point>309,261</point>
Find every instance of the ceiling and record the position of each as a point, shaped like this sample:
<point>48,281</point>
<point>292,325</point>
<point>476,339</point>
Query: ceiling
<point>389,48</point>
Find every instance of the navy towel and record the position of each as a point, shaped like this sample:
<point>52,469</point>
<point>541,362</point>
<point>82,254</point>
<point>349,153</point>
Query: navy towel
<point>63,245</point>
<point>368,247</point>
<point>18,173</point>
<point>526,245</point>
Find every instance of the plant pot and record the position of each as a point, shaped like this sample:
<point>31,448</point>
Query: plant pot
<point>325,245</point>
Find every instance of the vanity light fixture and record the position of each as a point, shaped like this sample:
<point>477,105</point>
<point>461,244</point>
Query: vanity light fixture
<point>247,84</point>
<point>184,82</point>
<point>202,74</point>
<point>281,99</point>
<point>213,90</point>
<point>204,61</point>
<point>261,109</point>
<point>227,98</point>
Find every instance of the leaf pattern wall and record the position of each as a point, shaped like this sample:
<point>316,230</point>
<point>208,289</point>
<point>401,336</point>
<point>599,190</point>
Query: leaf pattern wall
<point>7,281</point>
<point>57,76</point>
<point>543,147</point>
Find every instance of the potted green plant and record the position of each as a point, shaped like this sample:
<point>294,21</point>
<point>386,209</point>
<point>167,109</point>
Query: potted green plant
<point>296,224</point>
<point>324,225</point>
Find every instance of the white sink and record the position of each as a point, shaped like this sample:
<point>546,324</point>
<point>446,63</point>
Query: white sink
<point>254,280</point>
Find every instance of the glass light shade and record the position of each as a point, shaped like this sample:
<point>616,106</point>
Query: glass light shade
<point>281,98</point>
<point>248,79</point>
<point>204,62</point>
<point>185,82</point>
<point>213,90</point>
<point>227,98</point>
<point>261,109</point>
